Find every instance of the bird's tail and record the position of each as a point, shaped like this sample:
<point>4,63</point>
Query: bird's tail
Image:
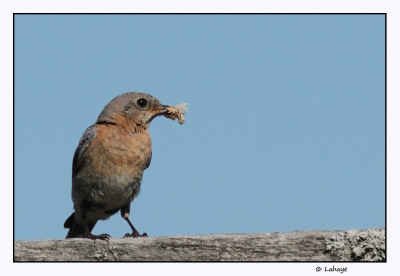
<point>76,229</point>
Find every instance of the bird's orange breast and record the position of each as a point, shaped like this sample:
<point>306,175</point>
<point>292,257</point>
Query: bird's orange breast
<point>118,151</point>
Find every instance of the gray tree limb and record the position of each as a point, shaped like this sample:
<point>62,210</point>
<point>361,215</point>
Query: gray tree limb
<point>314,245</point>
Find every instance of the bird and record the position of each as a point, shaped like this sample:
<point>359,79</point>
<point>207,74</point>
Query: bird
<point>109,162</point>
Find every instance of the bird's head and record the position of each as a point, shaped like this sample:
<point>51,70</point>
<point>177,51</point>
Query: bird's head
<point>140,108</point>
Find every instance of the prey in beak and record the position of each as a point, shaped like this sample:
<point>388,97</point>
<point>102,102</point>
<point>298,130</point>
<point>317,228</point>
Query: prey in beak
<point>170,112</point>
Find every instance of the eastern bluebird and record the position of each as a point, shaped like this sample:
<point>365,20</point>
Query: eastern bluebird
<point>109,161</point>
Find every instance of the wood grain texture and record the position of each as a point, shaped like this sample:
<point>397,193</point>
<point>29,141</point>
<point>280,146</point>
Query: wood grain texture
<point>274,246</point>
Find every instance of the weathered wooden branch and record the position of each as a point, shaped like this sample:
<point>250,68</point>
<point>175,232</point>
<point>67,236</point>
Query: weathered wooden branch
<point>321,246</point>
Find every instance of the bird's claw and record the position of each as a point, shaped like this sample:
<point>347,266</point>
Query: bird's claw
<point>134,235</point>
<point>103,237</point>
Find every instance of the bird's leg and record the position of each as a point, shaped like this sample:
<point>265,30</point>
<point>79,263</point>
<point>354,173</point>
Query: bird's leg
<point>103,237</point>
<point>135,233</point>
<point>89,235</point>
<point>125,215</point>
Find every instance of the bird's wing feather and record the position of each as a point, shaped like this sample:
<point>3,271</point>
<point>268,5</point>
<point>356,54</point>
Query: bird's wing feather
<point>85,141</point>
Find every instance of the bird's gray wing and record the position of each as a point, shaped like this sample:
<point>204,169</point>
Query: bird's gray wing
<point>85,141</point>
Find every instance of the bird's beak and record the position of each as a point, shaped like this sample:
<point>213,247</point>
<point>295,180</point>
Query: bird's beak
<point>163,108</point>
<point>157,111</point>
<point>170,112</point>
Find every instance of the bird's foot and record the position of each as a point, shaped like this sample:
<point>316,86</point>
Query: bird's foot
<point>135,235</point>
<point>103,237</point>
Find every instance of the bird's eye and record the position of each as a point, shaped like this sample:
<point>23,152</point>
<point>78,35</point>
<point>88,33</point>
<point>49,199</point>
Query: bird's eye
<point>142,102</point>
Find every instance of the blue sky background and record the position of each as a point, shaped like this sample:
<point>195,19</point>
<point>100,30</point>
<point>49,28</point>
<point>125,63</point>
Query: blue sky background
<point>285,129</point>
